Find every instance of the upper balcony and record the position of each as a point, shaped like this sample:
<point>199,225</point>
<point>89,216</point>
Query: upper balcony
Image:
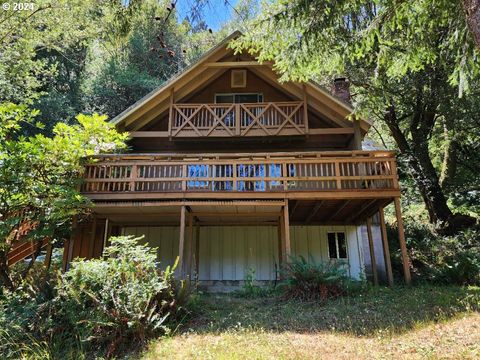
<point>255,119</point>
<point>348,174</point>
<point>241,120</point>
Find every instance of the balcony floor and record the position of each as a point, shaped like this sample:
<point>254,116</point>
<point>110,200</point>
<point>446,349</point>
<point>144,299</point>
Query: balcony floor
<point>241,212</point>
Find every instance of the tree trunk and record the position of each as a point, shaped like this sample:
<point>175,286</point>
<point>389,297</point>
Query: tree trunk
<point>472,14</point>
<point>427,181</point>
<point>449,164</point>
<point>426,178</point>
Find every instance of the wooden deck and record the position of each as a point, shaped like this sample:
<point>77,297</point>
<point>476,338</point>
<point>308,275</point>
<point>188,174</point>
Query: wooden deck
<point>276,189</point>
<point>354,174</point>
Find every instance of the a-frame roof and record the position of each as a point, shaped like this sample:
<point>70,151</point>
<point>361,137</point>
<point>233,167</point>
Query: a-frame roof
<point>204,71</point>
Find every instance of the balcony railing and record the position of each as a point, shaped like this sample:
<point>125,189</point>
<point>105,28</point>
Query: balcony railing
<point>357,170</point>
<point>255,119</point>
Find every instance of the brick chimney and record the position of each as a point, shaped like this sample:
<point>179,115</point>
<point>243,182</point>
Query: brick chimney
<point>341,89</point>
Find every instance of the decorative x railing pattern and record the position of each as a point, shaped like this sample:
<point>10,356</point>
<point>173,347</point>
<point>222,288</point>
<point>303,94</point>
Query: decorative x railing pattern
<point>254,119</point>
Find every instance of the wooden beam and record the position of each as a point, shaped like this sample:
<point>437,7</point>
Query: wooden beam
<point>380,203</point>
<point>281,234</point>
<point>149,134</point>
<point>281,255</point>
<point>331,131</point>
<point>190,246</point>
<point>181,243</point>
<point>386,249</point>
<point>295,206</point>
<point>346,155</point>
<point>303,195</point>
<point>239,214</point>
<point>339,210</point>
<point>371,247</point>
<point>403,245</point>
<point>197,250</point>
<point>314,212</point>
<point>234,64</point>
<point>362,210</point>
<point>286,232</point>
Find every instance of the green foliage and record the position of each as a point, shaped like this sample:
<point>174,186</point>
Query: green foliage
<point>40,174</point>
<point>414,71</point>
<point>51,26</point>
<point>123,298</point>
<point>307,280</point>
<point>140,50</point>
<point>250,288</point>
<point>98,306</point>
<point>442,259</point>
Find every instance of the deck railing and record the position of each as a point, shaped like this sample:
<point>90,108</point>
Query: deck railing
<point>255,119</point>
<point>358,171</point>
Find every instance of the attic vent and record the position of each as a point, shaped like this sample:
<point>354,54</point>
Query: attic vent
<point>239,78</point>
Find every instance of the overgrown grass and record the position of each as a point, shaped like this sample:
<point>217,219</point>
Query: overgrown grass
<point>377,322</point>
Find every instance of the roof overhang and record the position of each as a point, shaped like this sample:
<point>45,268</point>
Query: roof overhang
<point>205,69</point>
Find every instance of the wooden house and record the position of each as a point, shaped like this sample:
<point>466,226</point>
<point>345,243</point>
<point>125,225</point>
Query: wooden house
<point>233,171</point>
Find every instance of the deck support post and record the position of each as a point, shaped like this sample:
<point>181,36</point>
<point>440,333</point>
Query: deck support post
<point>281,254</point>
<point>197,250</point>
<point>181,243</point>
<point>403,245</point>
<point>286,232</point>
<point>188,267</point>
<point>373,261</point>
<point>386,248</point>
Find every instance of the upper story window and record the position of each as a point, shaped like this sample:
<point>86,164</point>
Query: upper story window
<point>337,245</point>
<point>238,98</point>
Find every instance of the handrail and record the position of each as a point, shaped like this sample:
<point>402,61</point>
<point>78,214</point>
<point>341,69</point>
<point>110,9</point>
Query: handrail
<point>242,119</point>
<point>241,174</point>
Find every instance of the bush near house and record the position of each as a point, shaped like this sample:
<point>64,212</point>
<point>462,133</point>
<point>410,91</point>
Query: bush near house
<point>440,259</point>
<point>307,280</point>
<point>104,304</point>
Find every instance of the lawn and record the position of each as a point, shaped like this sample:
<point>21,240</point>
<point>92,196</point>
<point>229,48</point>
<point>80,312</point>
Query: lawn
<point>418,322</point>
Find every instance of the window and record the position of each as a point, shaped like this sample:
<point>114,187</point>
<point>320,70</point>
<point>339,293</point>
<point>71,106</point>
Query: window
<point>337,245</point>
<point>238,98</point>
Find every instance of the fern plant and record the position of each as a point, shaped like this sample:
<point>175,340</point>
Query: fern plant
<point>308,280</point>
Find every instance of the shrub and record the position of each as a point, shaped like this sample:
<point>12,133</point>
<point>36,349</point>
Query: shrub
<point>442,259</point>
<point>99,304</point>
<point>307,280</point>
<point>25,325</point>
<point>123,298</point>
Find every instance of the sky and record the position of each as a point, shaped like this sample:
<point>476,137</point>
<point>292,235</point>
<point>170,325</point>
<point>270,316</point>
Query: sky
<point>215,12</point>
